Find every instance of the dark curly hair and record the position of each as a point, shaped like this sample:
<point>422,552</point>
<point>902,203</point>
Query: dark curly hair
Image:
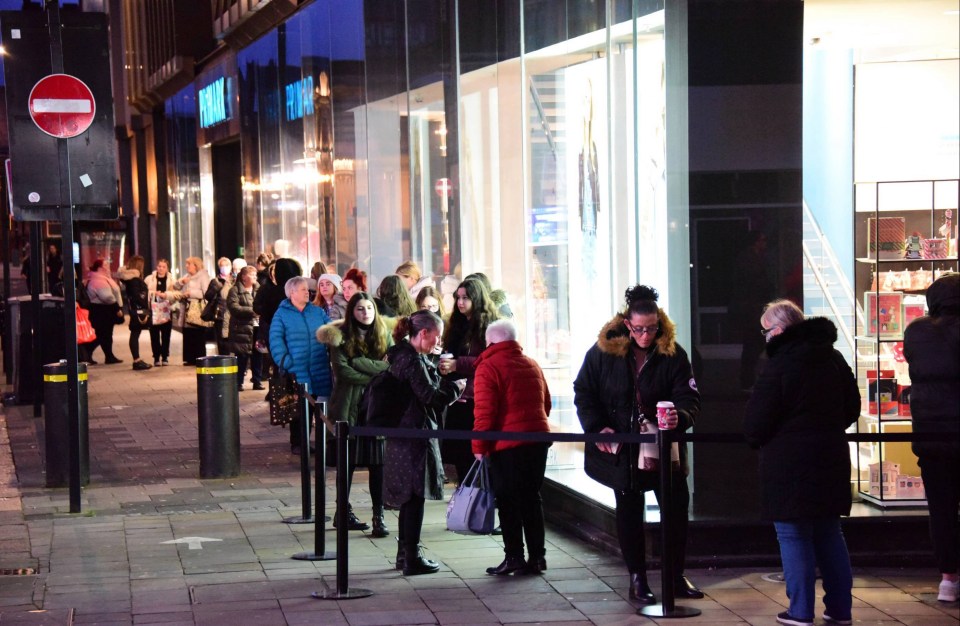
<point>641,300</point>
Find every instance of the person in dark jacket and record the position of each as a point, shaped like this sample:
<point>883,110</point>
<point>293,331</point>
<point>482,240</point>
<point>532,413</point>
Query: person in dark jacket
<point>138,305</point>
<point>294,346</point>
<point>412,468</point>
<point>358,344</point>
<point>243,323</point>
<point>635,364</point>
<point>269,296</point>
<point>931,345</point>
<point>511,395</point>
<point>464,339</point>
<point>803,401</point>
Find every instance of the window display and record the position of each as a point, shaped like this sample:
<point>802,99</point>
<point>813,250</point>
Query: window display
<point>893,277</point>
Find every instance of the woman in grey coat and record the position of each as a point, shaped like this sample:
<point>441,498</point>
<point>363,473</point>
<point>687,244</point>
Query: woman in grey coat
<point>412,467</point>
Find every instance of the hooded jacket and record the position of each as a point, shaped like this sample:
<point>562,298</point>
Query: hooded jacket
<point>239,305</point>
<point>803,401</point>
<point>931,345</point>
<point>605,393</point>
<point>511,395</point>
<point>350,374</point>
<point>138,305</point>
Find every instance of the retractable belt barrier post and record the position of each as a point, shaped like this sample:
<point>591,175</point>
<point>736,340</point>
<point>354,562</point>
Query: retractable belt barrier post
<point>56,424</point>
<point>668,609</point>
<point>218,416</point>
<point>320,489</point>
<point>306,517</point>
<point>343,590</point>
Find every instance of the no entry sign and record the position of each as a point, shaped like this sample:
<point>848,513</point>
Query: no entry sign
<point>61,106</point>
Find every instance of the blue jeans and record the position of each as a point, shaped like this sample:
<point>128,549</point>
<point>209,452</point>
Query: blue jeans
<point>806,545</point>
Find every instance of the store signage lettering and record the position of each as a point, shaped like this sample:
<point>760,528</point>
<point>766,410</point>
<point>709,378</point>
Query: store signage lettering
<point>299,98</point>
<point>213,103</point>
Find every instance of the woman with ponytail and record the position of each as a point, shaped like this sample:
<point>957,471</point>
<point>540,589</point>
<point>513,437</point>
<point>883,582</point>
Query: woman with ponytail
<point>413,471</point>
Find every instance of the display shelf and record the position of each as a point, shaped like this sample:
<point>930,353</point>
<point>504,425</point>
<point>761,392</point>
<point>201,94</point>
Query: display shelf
<point>905,236</point>
<point>870,261</point>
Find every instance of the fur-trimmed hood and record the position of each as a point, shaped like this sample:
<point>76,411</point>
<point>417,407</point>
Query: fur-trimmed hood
<point>332,334</point>
<point>614,338</point>
<point>126,273</point>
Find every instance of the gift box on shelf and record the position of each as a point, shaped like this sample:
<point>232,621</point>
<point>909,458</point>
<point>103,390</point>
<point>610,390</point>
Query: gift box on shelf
<point>884,475</point>
<point>882,393</point>
<point>935,248</point>
<point>903,401</point>
<point>884,314</point>
<point>885,237</point>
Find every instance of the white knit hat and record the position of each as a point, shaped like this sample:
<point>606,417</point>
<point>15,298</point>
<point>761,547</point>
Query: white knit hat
<point>333,278</point>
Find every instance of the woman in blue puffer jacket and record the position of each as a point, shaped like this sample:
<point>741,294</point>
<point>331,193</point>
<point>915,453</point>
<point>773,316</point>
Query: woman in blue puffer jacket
<point>294,347</point>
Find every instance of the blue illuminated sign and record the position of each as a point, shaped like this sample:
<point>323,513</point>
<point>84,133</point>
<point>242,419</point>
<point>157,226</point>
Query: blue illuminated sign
<point>299,98</point>
<point>214,106</point>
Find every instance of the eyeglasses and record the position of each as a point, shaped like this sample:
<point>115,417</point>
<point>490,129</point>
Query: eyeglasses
<point>767,331</point>
<point>643,330</point>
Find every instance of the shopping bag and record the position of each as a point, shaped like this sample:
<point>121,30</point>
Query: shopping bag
<point>284,395</point>
<point>85,332</point>
<point>209,312</point>
<point>159,311</point>
<point>471,508</point>
<point>195,314</point>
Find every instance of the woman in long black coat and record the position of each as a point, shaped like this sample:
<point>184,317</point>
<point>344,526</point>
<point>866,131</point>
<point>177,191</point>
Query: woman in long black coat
<point>412,467</point>
<point>803,401</point>
<point>243,324</point>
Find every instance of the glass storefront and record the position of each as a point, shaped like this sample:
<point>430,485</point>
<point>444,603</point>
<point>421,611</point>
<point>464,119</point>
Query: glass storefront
<point>184,182</point>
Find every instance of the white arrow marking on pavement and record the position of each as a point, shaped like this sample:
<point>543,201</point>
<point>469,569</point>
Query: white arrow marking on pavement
<point>194,543</point>
<point>61,105</point>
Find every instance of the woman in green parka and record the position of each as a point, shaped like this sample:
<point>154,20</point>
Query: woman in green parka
<point>357,346</point>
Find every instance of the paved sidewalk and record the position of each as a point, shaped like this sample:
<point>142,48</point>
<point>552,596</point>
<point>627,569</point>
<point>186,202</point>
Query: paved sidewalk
<point>114,563</point>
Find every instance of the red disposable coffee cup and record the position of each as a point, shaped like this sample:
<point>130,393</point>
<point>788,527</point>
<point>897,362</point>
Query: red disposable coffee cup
<point>662,408</point>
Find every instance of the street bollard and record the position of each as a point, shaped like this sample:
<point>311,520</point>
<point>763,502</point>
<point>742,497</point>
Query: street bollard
<point>218,414</point>
<point>57,424</point>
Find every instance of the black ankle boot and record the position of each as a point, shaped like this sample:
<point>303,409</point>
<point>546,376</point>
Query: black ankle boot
<point>537,566</point>
<point>414,564</point>
<point>640,590</point>
<point>401,554</point>
<point>510,565</point>
<point>379,526</point>
<point>353,522</point>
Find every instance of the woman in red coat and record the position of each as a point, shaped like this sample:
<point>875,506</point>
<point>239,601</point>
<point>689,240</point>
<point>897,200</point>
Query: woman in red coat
<point>511,395</point>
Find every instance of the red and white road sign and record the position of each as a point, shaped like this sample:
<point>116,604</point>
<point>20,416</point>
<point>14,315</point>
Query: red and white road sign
<point>61,105</point>
<point>443,187</point>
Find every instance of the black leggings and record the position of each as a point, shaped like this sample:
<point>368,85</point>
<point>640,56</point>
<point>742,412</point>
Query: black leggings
<point>376,486</point>
<point>630,525</point>
<point>411,521</point>
<point>941,481</point>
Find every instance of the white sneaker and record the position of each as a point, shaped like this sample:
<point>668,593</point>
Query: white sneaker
<point>948,591</point>
<point>833,620</point>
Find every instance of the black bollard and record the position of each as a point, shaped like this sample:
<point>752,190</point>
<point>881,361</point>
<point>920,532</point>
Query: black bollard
<point>218,416</point>
<point>57,424</point>
<point>304,403</point>
<point>342,590</point>
<point>668,607</point>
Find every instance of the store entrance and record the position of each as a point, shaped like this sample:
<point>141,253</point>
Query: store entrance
<point>227,200</point>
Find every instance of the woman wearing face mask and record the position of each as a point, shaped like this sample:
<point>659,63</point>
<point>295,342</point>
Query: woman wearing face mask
<point>329,298</point>
<point>217,292</point>
<point>243,323</point>
<point>357,346</point>
<point>157,284</point>
<point>465,339</point>
<point>412,467</point>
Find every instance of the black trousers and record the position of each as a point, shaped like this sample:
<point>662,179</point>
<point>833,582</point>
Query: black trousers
<point>630,525</point>
<point>459,453</point>
<point>941,481</point>
<point>517,475</point>
<point>255,360</point>
<point>194,343</point>
<point>411,521</point>
<point>103,318</point>
<point>160,341</point>
<point>134,343</point>
<point>376,486</point>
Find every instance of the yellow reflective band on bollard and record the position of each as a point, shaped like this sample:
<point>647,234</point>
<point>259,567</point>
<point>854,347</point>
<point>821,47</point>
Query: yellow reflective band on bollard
<point>228,369</point>
<point>61,378</point>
